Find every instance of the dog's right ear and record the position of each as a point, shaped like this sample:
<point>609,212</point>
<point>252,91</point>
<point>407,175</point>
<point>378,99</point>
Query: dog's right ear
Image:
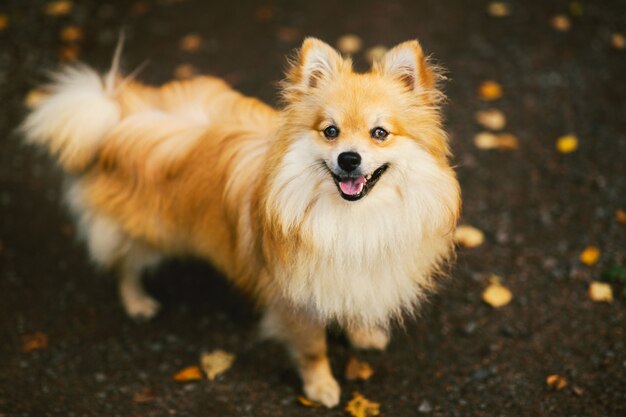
<point>317,61</point>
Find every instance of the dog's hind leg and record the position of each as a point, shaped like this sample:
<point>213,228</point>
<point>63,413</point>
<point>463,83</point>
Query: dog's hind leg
<point>139,305</point>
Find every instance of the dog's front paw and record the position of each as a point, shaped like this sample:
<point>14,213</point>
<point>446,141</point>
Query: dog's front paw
<point>323,390</point>
<point>371,338</point>
<point>141,308</point>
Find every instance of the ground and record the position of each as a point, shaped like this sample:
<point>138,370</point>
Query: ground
<point>538,208</point>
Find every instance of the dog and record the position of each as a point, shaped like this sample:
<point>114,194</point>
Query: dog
<point>339,208</point>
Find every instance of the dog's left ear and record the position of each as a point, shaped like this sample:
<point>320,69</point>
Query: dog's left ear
<point>317,61</point>
<point>406,63</point>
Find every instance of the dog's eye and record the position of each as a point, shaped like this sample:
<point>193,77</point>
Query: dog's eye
<point>379,133</point>
<point>331,132</point>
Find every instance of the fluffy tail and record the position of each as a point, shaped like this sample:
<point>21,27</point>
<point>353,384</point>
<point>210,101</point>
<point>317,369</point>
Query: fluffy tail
<point>73,120</point>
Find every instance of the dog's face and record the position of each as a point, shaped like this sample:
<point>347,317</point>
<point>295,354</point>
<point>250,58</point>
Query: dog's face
<point>356,128</point>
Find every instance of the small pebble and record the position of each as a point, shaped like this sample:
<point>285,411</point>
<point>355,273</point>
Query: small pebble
<point>425,407</point>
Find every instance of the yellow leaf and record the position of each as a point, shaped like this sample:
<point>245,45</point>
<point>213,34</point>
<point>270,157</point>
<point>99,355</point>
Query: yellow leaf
<point>507,141</point>
<point>490,90</point>
<point>375,53</point>
<point>58,8</point>
<point>556,382</point>
<point>216,363</point>
<point>69,53</point>
<point>190,43</point>
<point>308,403</point>
<point>468,236</point>
<point>492,119</point>
<point>620,216</point>
<point>561,23</point>
<point>359,406</point>
<point>618,41</point>
<point>35,341</point>
<point>498,9</point>
<point>4,22</point>
<point>190,373</point>
<point>486,140</point>
<point>357,369</point>
<point>349,44</point>
<point>71,33</point>
<point>590,255</point>
<point>185,71</point>
<point>567,144</point>
<point>600,292</point>
<point>497,295</point>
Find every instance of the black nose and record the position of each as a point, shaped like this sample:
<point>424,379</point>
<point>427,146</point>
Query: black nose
<point>348,161</point>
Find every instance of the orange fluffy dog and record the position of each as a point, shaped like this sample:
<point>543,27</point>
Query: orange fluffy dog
<point>337,208</point>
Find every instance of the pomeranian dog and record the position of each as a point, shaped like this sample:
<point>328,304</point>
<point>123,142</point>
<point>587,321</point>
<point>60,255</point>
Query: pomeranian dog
<point>337,208</point>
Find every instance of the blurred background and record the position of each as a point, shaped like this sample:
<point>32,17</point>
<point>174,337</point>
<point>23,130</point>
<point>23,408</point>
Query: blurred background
<point>533,319</point>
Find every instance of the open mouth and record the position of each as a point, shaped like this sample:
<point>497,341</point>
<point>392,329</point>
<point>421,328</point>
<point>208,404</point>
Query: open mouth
<point>355,187</point>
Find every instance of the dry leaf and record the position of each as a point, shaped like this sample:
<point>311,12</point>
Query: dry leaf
<point>349,44</point>
<point>496,294</point>
<point>4,22</point>
<point>190,373</point>
<point>507,141</point>
<point>139,8</point>
<point>567,144</point>
<point>486,140</point>
<point>498,9</point>
<point>58,8</point>
<point>375,53</point>
<point>308,403</point>
<point>357,369</point>
<point>190,43</point>
<point>71,33</point>
<point>144,395</point>
<point>620,216</point>
<point>556,382</point>
<point>359,406</point>
<point>600,292</point>
<point>216,363</point>
<point>288,34</point>
<point>590,256</point>
<point>34,341</point>
<point>185,71</point>
<point>468,236</point>
<point>68,53</point>
<point>561,23</point>
<point>34,97</point>
<point>264,14</point>
<point>578,391</point>
<point>490,90</point>
<point>491,119</point>
<point>618,41</point>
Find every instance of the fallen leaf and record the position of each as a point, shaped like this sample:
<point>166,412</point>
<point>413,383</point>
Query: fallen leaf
<point>308,403</point>
<point>264,14</point>
<point>185,71</point>
<point>498,9</point>
<point>68,53</point>
<point>349,44</point>
<point>35,341</point>
<point>144,395</point>
<point>490,90</point>
<point>356,369</point>
<point>507,141</point>
<point>590,255</point>
<point>375,53</point>
<point>216,363</point>
<point>288,34</point>
<point>600,292</point>
<point>567,144</point>
<point>620,216</point>
<point>139,8</point>
<point>34,97</point>
<point>556,382</point>
<point>359,406</point>
<point>4,22</point>
<point>468,236</point>
<point>618,41</point>
<point>576,8</point>
<point>486,140</point>
<point>190,43</point>
<point>58,8</point>
<point>578,391</point>
<point>190,373</point>
<point>492,119</point>
<point>71,33</point>
<point>561,23</point>
<point>496,294</point>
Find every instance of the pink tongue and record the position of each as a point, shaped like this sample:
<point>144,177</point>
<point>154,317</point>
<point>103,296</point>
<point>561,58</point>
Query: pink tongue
<point>352,186</point>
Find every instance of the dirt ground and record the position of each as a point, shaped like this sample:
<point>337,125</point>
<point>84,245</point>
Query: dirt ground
<point>538,208</point>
